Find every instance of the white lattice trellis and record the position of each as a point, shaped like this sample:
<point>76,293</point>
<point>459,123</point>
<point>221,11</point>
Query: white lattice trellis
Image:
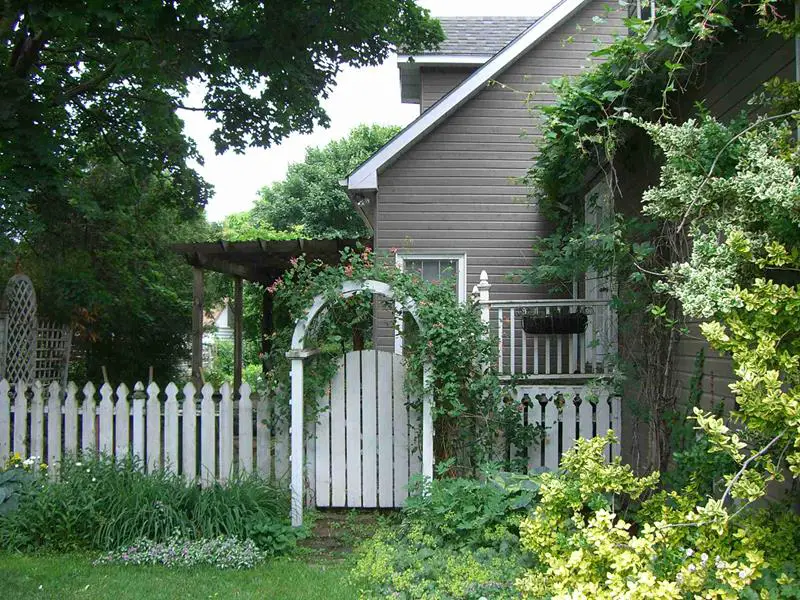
<point>30,350</point>
<point>20,345</point>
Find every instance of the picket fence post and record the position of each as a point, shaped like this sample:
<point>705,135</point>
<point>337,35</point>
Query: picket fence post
<point>153,424</point>
<point>171,429</point>
<point>208,433</point>
<point>138,423</point>
<point>122,424</point>
<point>245,430</point>
<point>189,432</point>
<point>53,426</point>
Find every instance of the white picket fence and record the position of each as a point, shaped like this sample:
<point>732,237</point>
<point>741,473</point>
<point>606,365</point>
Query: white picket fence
<point>360,453</point>
<point>209,438</point>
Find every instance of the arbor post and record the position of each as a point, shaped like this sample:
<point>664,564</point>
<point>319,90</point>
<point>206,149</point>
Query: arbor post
<point>427,424</point>
<point>296,432</point>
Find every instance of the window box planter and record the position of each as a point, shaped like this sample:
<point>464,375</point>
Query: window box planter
<point>537,323</point>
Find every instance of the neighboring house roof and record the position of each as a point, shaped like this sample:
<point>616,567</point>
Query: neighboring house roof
<point>365,177</point>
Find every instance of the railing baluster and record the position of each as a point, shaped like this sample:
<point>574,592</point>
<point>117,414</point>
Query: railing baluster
<point>500,340</point>
<point>512,329</point>
<point>572,341</point>
<point>547,347</point>
<point>553,355</point>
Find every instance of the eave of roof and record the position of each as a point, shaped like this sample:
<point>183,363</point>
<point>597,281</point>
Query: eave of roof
<point>365,177</point>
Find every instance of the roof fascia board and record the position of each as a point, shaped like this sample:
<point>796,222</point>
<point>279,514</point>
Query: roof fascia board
<point>365,177</point>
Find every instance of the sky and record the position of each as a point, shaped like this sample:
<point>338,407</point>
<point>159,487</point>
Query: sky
<point>366,95</point>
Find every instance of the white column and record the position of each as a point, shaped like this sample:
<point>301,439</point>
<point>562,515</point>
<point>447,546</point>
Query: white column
<point>427,425</point>
<point>482,289</point>
<point>297,442</point>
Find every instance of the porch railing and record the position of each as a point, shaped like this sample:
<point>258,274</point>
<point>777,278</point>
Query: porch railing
<point>550,356</point>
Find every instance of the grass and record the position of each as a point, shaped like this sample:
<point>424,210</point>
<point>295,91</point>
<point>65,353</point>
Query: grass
<point>65,576</point>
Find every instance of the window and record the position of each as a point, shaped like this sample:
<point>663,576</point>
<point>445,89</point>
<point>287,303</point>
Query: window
<point>450,268</point>
<point>438,267</point>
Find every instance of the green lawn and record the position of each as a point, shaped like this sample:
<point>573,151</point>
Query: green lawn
<point>65,576</point>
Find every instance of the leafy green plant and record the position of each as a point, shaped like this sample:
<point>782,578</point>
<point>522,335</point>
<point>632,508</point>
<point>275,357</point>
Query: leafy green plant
<point>465,512</point>
<point>12,482</point>
<point>98,503</point>
<point>458,538</point>
<point>273,536</point>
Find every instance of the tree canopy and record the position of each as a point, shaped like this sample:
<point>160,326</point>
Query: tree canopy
<point>80,80</point>
<point>311,196</point>
<point>96,176</point>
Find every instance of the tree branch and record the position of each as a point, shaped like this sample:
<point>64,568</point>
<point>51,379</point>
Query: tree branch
<point>87,85</point>
<point>746,463</point>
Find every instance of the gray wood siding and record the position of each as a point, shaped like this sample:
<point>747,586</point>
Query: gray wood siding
<point>455,191</point>
<point>435,82</point>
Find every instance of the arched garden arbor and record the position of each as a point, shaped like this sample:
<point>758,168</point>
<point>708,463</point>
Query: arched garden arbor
<point>298,353</point>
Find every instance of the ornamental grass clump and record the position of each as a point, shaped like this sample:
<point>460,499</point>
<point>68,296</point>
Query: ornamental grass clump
<point>98,503</point>
<point>220,552</point>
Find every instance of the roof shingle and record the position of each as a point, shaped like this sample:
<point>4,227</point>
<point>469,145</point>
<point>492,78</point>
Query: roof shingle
<point>484,36</point>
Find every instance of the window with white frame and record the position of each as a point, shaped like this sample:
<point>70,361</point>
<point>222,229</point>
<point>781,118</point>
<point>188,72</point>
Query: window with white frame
<point>447,268</point>
<point>451,268</point>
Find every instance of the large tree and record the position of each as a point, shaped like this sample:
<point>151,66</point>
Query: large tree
<point>106,267</point>
<point>82,78</point>
<point>311,196</point>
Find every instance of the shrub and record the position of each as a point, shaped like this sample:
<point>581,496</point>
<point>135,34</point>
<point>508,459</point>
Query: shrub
<point>467,512</point>
<point>674,545</point>
<point>221,552</point>
<point>458,539</point>
<point>98,503</point>
<point>411,565</point>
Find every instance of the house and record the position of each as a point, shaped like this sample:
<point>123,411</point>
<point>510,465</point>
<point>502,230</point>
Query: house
<point>218,327</point>
<point>444,192</point>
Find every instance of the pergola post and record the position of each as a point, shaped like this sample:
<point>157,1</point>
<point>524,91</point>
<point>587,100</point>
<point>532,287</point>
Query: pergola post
<point>198,293</point>
<point>297,431</point>
<point>237,335</point>
<point>267,327</point>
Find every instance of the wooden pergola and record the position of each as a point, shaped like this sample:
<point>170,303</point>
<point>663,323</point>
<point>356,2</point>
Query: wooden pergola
<point>258,261</point>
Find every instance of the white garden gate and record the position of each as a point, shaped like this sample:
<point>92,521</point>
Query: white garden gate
<point>361,449</point>
<point>367,435</point>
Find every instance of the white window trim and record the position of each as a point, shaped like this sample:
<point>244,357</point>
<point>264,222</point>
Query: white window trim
<point>400,262</point>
